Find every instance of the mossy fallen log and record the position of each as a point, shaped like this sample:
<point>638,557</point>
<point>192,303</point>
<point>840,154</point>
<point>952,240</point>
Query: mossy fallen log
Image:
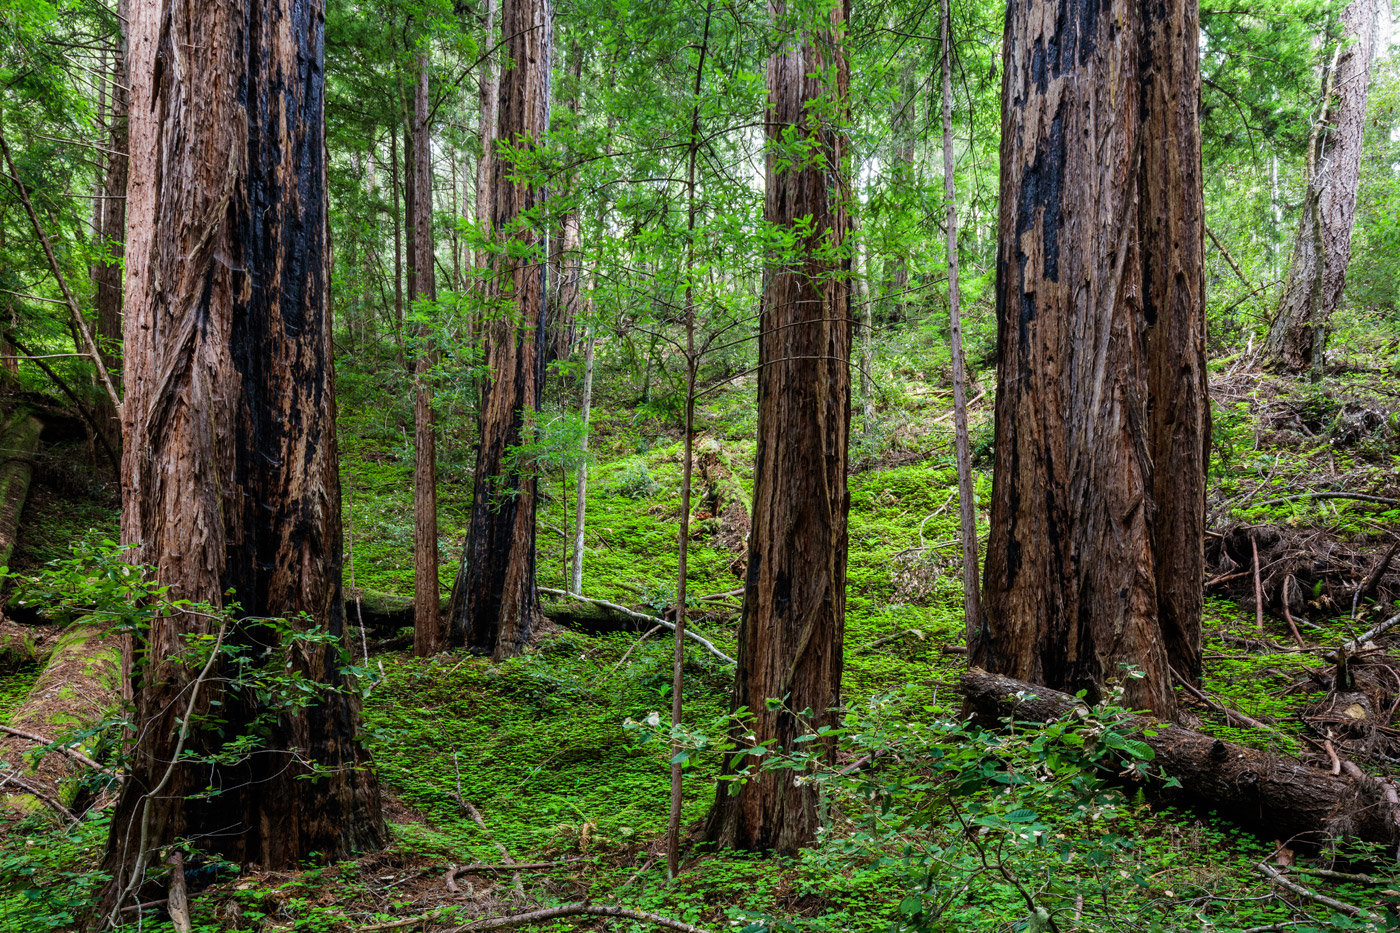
<point>1276,796</point>
<point>79,686</point>
<point>19,442</point>
<point>379,612</point>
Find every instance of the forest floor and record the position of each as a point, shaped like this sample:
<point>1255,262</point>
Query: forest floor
<point>533,761</point>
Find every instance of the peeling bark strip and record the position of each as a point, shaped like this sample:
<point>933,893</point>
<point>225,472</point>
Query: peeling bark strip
<point>1101,426</point>
<point>1280,797</point>
<point>494,603</point>
<point>1318,268</point>
<point>790,636</point>
<point>230,476</point>
<point>1171,217</point>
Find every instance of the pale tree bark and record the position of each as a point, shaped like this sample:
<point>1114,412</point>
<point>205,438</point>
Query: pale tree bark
<point>861,276</point>
<point>1070,589</point>
<point>494,602</point>
<point>429,635</point>
<point>790,634</point>
<point>1317,270</point>
<point>230,479</point>
<point>1171,219</point>
<point>967,493</point>
<point>581,475</point>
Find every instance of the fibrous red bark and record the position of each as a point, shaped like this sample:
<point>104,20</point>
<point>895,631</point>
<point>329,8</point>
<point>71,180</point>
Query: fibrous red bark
<point>1070,583</point>
<point>494,603</point>
<point>790,635</point>
<point>1171,222</point>
<point>230,476</point>
<point>429,634</point>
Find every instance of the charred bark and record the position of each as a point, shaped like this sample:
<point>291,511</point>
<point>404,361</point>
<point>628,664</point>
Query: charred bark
<point>1282,798</point>
<point>494,603</point>
<point>790,635</point>
<point>230,479</point>
<point>1171,218</point>
<point>1318,268</point>
<point>1070,587</point>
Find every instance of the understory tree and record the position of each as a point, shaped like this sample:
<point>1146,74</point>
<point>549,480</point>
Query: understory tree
<point>494,603</point>
<point>1322,248</point>
<point>231,489</point>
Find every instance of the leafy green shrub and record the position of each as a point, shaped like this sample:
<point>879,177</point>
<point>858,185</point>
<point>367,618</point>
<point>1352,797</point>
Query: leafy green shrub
<point>634,481</point>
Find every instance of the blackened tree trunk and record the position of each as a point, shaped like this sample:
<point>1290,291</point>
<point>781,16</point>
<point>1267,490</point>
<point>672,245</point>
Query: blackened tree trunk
<point>1317,271</point>
<point>790,635</point>
<point>1070,585</point>
<point>1171,219</point>
<point>494,602</point>
<point>428,632</point>
<point>230,481</point>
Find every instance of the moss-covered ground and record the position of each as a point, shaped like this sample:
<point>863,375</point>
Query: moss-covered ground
<point>539,747</point>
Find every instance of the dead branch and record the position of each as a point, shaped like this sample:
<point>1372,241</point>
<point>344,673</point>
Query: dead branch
<point>640,617</point>
<point>65,749</point>
<point>1278,878</point>
<point>179,900</point>
<point>575,910</point>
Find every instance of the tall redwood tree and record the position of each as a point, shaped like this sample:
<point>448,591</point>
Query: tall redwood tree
<point>230,476</point>
<point>790,634</point>
<point>1101,423</point>
<point>494,602</point>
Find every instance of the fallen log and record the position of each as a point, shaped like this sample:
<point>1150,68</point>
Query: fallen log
<point>19,442</point>
<point>75,690</point>
<point>1281,797</point>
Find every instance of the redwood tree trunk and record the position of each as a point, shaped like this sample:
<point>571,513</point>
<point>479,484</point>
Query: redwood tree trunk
<point>230,479</point>
<point>790,636</point>
<point>1317,271</point>
<point>428,633</point>
<point>494,603</point>
<point>1070,587</point>
<point>107,271</point>
<point>1171,218</point>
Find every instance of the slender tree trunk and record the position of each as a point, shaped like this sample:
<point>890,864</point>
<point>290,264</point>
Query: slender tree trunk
<point>1171,219</point>
<point>967,493</point>
<point>395,181</point>
<point>566,261</point>
<point>1318,268</point>
<point>867,339</point>
<point>107,270</point>
<point>581,481</point>
<point>790,635</point>
<point>429,634</point>
<point>486,133</point>
<point>692,364</point>
<point>230,480</point>
<point>494,602</point>
<point>902,156</point>
<point>1070,584</point>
